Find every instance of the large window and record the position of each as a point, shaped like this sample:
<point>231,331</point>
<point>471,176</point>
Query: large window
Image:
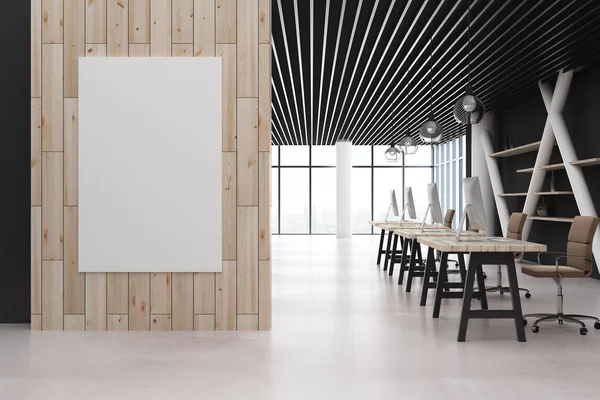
<point>304,187</point>
<point>448,172</point>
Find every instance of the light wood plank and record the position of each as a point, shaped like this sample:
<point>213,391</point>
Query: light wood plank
<point>139,50</point>
<point>247,322</point>
<point>74,322</point>
<point>204,28</point>
<point>52,295</point>
<point>139,21</point>
<point>183,301</point>
<point>36,322</point>
<point>264,206</point>
<point>161,322</point>
<point>118,28</point>
<point>247,49</point>
<point>95,21</point>
<point>117,322</point>
<point>160,286</point>
<point>204,322</point>
<point>182,50</point>
<point>95,301</point>
<point>247,171</point>
<point>229,208</point>
<point>36,152</point>
<point>264,21</point>
<point>52,206</point>
<point>95,50</point>
<point>225,316</point>
<point>52,97</point>
<point>74,280</point>
<point>183,21</point>
<point>586,163</point>
<point>117,292</point>
<point>139,301</point>
<point>160,30</point>
<point>264,295</point>
<point>36,260</point>
<point>229,97</point>
<point>52,22</point>
<point>71,150</point>
<point>526,148</point>
<point>226,31</point>
<point>264,98</point>
<point>247,260</point>
<point>552,219</point>
<point>74,44</point>
<point>36,48</point>
<point>204,293</point>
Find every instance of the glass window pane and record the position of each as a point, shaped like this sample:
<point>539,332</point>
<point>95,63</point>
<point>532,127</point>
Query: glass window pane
<point>294,200</point>
<point>417,179</point>
<point>361,155</point>
<point>361,200</point>
<point>421,157</point>
<point>323,155</point>
<point>274,155</point>
<point>385,180</point>
<point>294,155</point>
<point>324,200</point>
<point>275,200</point>
<point>379,157</point>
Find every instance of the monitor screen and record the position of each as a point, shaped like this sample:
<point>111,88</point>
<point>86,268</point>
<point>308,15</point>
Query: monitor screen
<point>474,201</point>
<point>394,203</point>
<point>409,203</point>
<point>434,201</point>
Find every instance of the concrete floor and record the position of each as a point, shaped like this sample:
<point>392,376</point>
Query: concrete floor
<point>342,329</point>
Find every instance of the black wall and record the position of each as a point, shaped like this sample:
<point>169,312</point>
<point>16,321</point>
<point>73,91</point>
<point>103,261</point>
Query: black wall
<point>14,161</point>
<point>524,123</point>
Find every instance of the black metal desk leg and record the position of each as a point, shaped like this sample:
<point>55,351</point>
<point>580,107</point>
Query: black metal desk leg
<point>468,295</point>
<point>462,268</point>
<point>380,249</point>
<point>416,249</point>
<point>481,287</point>
<point>441,282</point>
<point>516,299</point>
<point>393,255</point>
<point>429,273</point>
<point>403,260</point>
<point>387,252</point>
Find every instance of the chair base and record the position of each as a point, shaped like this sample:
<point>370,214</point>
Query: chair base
<point>506,289</point>
<point>560,318</point>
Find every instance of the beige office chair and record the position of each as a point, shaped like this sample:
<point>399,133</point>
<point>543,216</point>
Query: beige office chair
<point>448,218</point>
<point>579,264</point>
<point>514,231</point>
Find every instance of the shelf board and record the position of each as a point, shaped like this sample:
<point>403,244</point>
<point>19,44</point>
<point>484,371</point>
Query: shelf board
<point>552,167</point>
<point>587,162</point>
<point>527,148</point>
<point>554,219</point>
<point>555,193</point>
<point>525,170</point>
<point>512,194</point>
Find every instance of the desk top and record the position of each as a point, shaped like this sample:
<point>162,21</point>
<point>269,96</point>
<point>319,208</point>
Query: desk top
<point>500,245</point>
<point>409,233</point>
<point>399,223</point>
<point>390,226</point>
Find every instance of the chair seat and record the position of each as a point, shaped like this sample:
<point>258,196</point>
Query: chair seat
<point>549,271</point>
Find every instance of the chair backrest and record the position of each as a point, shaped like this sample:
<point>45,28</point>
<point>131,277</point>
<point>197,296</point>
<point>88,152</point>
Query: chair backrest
<point>448,218</point>
<point>579,243</point>
<point>515,226</point>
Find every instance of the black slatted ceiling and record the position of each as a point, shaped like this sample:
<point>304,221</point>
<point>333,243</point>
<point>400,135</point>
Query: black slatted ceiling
<point>360,69</point>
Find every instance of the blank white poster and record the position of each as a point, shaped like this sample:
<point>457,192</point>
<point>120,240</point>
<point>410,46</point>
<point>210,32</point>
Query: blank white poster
<point>150,145</point>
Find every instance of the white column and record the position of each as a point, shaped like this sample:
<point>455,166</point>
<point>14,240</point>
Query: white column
<point>343,169</point>
<point>479,168</point>
<point>496,182</point>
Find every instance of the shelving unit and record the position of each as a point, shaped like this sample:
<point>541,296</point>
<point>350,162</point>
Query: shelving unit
<point>526,148</point>
<point>552,219</point>
<point>587,162</point>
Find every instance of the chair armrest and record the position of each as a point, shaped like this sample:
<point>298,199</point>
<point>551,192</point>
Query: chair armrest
<point>539,256</point>
<point>567,256</point>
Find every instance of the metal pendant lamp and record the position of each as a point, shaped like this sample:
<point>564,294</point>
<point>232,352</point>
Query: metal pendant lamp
<point>431,131</point>
<point>408,145</point>
<point>392,154</point>
<point>468,109</point>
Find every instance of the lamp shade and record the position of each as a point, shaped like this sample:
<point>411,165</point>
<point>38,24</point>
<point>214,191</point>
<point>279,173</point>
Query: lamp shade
<point>431,131</point>
<point>408,145</point>
<point>468,109</point>
<point>392,154</point>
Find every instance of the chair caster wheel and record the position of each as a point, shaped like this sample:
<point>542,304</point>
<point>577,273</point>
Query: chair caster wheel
<point>560,321</point>
<point>528,296</point>
<point>596,325</point>
<point>535,329</point>
<point>524,322</point>
<point>501,293</point>
<point>583,331</point>
<point>484,275</point>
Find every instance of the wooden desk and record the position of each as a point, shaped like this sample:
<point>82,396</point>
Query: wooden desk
<point>411,237</point>
<point>498,251</point>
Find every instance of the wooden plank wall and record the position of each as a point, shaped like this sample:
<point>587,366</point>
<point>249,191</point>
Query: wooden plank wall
<point>239,31</point>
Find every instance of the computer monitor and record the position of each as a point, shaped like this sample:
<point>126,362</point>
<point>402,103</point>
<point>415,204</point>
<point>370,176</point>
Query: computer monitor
<point>393,205</point>
<point>474,206</point>
<point>409,204</point>
<point>434,205</point>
